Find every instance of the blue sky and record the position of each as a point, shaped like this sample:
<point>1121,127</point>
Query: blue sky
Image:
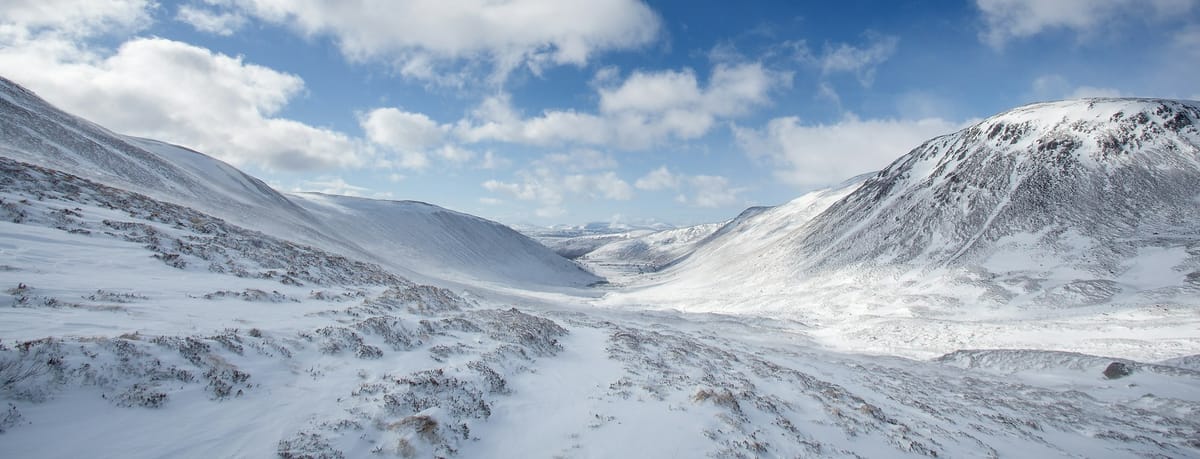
<point>571,111</point>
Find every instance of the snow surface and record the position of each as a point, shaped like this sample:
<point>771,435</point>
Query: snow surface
<point>140,319</point>
<point>420,241</point>
<point>443,244</point>
<point>1068,226</point>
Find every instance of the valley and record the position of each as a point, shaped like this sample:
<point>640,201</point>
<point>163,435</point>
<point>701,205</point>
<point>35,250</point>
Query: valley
<point>966,301</point>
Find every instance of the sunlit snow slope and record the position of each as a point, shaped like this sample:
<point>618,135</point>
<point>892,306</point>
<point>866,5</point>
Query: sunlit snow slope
<point>138,326</point>
<point>421,241</point>
<point>442,243</point>
<point>1080,208</point>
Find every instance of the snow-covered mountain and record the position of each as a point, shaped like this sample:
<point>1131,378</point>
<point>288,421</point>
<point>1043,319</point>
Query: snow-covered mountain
<point>1093,180</point>
<point>444,243</point>
<point>1051,211</point>
<point>1095,188</point>
<point>417,240</point>
<point>139,319</point>
<point>574,241</point>
<point>617,257</point>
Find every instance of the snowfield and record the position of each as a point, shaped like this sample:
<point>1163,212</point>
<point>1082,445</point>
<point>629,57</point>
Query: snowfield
<point>137,323</point>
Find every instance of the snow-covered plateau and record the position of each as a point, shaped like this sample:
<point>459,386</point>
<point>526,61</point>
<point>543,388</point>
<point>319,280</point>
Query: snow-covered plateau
<point>1029,286</point>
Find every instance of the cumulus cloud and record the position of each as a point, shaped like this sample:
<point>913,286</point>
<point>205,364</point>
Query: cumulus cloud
<point>160,88</point>
<point>694,190</point>
<point>491,160</point>
<point>711,191</point>
<point>643,111</point>
<point>658,179</point>
<point>1007,20</point>
<point>455,154</point>
<point>423,38</point>
<point>401,130</point>
<point>410,136</point>
<point>183,94</point>
<point>813,155</point>
<point>214,22</point>
<point>21,19</point>
<point>653,92</point>
<point>553,179</point>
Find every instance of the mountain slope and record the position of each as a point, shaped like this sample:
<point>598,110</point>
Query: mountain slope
<point>622,257</point>
<point>136,327</point>
<point>1064,218</point>
<point>1105,169</point>
<point>35,132</point>
<point>442,243</point>
<point>741,253</point>
<point>1090,186</point>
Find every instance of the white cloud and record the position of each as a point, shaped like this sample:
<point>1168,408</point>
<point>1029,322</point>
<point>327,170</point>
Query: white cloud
<point>1007,20</point>
<point>214,22</point>
<point>731,90</point>
<point>861,61</point>
<point>581,160</point>
<point>424,37</point>
<point>645,110</point>
<point>604,184</point>
<point>822,154</point>
<point>491,201</point>
<point>401,130</point>
<point>493,161</point>
<point>455,154</point>
<point>694,190</point>
<point>21,19</point>
<point>553,179</point>
<point>658,179</point>
<point>711,191</point>
<point>653,92</point>
<point>183,94</point>
<point>414,138</point>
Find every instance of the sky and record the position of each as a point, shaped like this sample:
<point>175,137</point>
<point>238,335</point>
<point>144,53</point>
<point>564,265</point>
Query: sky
<point>571,111</point>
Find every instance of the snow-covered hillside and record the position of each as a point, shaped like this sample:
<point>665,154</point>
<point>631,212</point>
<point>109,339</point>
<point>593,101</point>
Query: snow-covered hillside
<point>1092,180</point>
<point>157,303</point>
<point>137,328</point>
<point>420,241</point>
<point>1067,213</point>
<point>632,254</point>
<point>443,244</point>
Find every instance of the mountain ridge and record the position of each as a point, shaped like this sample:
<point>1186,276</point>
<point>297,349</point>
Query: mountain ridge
<point>36,132</point>
<point>1050,215</point>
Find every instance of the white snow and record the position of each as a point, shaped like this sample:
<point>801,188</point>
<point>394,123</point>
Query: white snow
<point>138,325</point>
